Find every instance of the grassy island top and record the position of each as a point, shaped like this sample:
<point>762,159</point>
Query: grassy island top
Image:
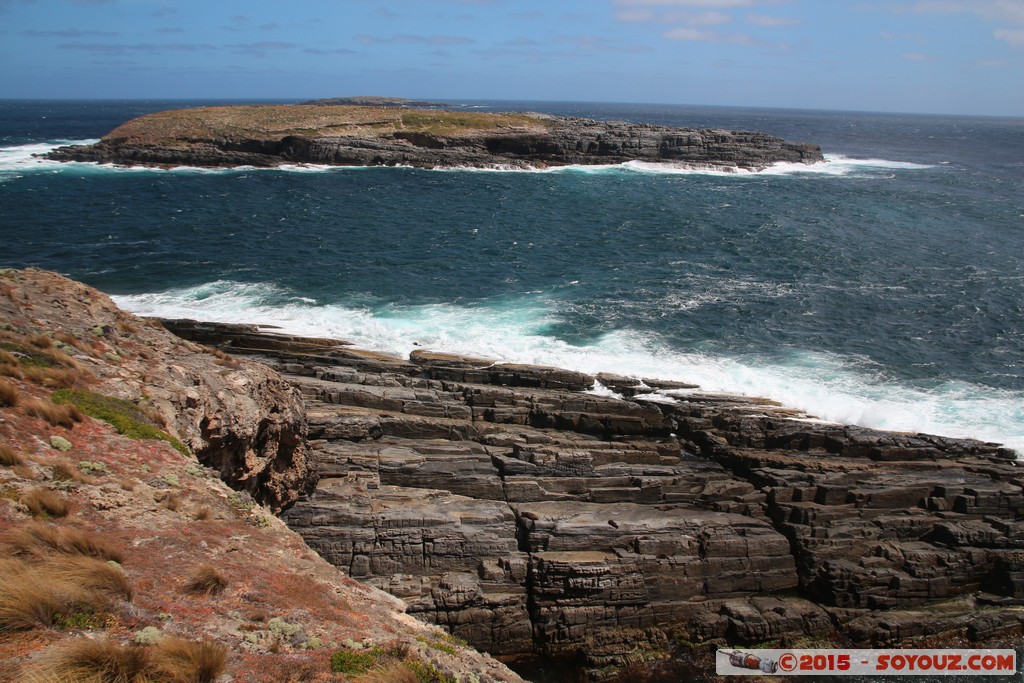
<point>273,122</point>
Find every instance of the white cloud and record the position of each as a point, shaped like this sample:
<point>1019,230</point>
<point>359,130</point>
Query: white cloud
<point>414,39</point>
<point>719,4</point>
<point>997,11</point>
<point>692,20</point>
<point>696,35</point>
<point>1011,11</point>
<point>636,16</point>
<point>1011,36</point>
<point>918,57</point>
<point>703,18</point>
<point>908,37</point>
<point>764,20</point>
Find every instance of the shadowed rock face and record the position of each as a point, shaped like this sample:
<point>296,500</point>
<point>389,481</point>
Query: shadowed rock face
<point>349,136</point>
<point>236,416</point>
<point>532,519</point>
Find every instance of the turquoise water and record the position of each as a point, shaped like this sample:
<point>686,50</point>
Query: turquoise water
<point>883,287</point>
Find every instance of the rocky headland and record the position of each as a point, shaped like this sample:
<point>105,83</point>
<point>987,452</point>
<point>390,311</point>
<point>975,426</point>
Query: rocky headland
<point>348,135</point>
<point>539,521</point>
<point>617,533</point>
<point>140,475</point>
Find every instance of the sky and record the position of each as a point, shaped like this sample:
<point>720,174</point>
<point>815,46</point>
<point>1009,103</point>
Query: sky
<point>921,56</point>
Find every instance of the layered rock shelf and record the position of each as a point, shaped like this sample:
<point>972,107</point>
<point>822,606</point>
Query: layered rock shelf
<point>534,519</point>
<point>346,135</point>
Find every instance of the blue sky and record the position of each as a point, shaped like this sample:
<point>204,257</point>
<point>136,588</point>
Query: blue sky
<point>929,56</point>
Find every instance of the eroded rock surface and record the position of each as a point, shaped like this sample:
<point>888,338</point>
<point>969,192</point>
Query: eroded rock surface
<point>237,416</point>
<point>532,518</point>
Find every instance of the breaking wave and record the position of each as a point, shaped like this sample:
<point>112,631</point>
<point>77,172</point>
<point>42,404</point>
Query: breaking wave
<point>824,385</point>
<point>20,159</point>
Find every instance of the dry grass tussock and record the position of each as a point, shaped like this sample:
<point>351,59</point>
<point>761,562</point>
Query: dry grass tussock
<point>9,394</point>
<point>10,457</point>
<point>46,503</point>
<point>172,502</point>
<point>27,599</point>
<point>69,339</point>
<point>9,366</point>
<point>206,580</point>
<point>66,471</point>
<point>35,595</point>
<point>40,341</point>
<point>39,540</point>
<point>394,672</point>
<point>53,378</point>
<point>56,415</point>
<point>91,574</point>
<point>224,359</point>
<point>54,573</point>
<point>172,660</point>
<point>186,661</point>
<point>35,359</point>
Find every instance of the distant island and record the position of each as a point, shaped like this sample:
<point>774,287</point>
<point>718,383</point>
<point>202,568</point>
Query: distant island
<point>389,135</point>
<point>374,101</point>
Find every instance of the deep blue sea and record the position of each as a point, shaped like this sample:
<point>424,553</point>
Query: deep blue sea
<point>884,287</point>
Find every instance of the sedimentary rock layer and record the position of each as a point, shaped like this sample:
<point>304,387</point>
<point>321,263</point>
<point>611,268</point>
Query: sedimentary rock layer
<point>530,517</point>
<point>386,136</point>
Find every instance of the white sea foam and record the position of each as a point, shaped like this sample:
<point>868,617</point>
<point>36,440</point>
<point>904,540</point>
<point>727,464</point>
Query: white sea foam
<point>22,158</point>
<point>833,165</point>
<point>839,165</point>
<point>829,387</point>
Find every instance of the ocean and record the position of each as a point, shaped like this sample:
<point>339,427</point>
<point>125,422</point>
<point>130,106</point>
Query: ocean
<point>884,287</point>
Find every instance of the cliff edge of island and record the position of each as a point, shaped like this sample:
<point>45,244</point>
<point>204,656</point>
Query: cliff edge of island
<point>354,135</point>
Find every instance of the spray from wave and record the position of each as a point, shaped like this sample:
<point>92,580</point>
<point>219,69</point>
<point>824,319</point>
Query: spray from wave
<point>824,385</point>
<point>20,159</point>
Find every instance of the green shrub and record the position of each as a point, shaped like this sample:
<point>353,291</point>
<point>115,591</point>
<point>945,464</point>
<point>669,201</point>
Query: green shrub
<point>437,644</point>
<point>279,626</point>
<point>89,467</point>
<point>149,636</point>
<point>352,662</point>
<point>428,673</point>
<point>241,501</point>
<point>196,470</point>
<point>124,416</point>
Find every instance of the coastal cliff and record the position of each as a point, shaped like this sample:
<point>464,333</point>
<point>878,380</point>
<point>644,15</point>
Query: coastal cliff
<point>619,533</point>
<point>634,528</point>
<point>134,546</point>
<point>339,135</point>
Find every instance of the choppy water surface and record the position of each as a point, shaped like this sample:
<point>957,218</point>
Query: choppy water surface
<point>883,287</point>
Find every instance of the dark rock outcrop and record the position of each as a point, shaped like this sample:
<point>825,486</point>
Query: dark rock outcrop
<point>535,520</point>
<point>535,141</point>
<point>236,416</point>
